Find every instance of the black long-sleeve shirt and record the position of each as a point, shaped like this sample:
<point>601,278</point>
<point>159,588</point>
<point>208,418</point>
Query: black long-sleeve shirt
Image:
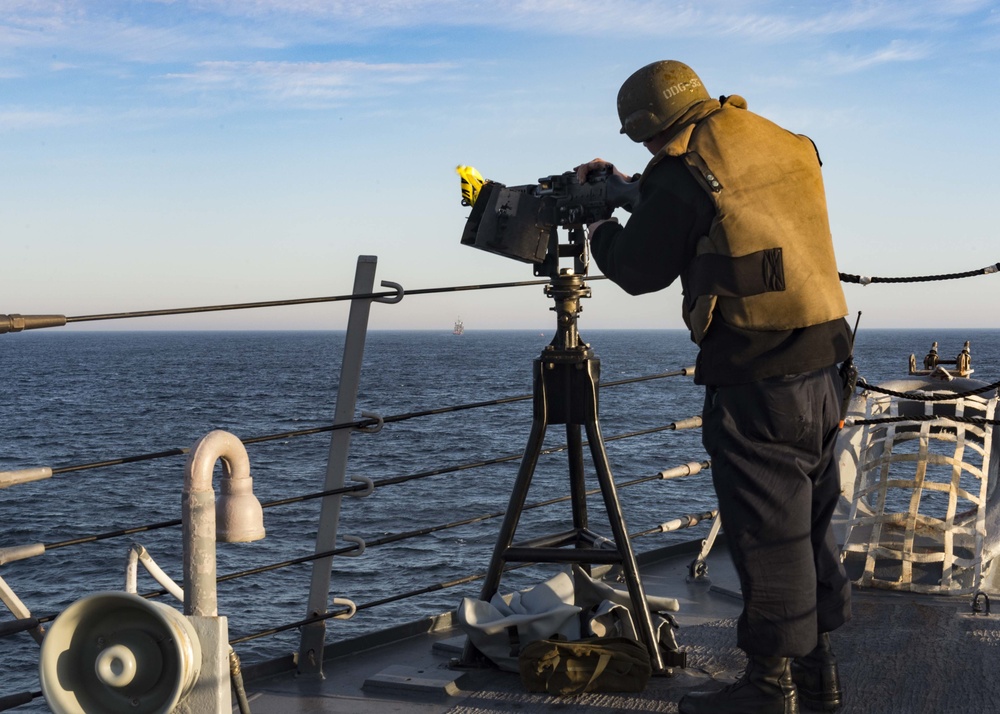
<point>653,249</point>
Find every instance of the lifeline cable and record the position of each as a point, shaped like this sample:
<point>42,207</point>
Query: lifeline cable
<point>913,396</point>
<point>865,280</point>
<point>356,424</point>
<point>379,483</point>
<point>691,522</point>
<point>391,538</point>
<point>975,421</point>
<point>19,323</point>
<point>926,397</point>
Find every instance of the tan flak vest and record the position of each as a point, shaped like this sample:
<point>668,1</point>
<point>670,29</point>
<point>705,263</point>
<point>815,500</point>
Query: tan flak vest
<point>767,262</point>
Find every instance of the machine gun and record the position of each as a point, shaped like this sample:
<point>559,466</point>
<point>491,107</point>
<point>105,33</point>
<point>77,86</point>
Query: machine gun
<point>522,222</point>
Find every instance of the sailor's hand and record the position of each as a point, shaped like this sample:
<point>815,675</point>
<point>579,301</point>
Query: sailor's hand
<point>591,227</point>
<point>583,170</point>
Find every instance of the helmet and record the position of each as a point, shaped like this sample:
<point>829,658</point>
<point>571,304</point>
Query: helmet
<point>655,96</point>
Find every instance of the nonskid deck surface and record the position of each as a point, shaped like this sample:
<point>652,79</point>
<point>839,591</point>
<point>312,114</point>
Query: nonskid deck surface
<point>899,654</point>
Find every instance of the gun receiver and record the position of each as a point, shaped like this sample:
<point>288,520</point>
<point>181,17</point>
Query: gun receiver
<point>521,222</point>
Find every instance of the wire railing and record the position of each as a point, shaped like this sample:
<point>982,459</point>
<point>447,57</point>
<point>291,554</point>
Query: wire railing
<point>27,624</point>
<point>9,554</point>
<point>19,323</point>
<point>34,623</point>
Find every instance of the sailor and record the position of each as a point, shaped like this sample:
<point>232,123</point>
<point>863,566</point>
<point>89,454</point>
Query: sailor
<point>734,206</point>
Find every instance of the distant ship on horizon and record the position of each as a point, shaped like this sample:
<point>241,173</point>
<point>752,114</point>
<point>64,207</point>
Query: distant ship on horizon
<point>459,327</point>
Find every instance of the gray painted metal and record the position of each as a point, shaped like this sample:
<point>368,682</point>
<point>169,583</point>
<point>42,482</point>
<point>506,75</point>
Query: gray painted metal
<point>901,653</point>
<point>314,634</point>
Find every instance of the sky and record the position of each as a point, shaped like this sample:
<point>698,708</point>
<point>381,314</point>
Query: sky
<point>200,152</point>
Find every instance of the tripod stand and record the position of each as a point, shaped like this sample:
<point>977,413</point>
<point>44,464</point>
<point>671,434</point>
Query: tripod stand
<point>566,376</point>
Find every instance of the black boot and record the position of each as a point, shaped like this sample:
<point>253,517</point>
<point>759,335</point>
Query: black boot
<point>765,688</point>
<point>817,679</point>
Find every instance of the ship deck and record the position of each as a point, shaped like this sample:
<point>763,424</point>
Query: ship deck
<point>900,652</point>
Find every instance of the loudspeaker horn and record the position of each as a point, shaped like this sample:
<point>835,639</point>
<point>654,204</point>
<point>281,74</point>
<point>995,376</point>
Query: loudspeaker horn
<point>114,652</point>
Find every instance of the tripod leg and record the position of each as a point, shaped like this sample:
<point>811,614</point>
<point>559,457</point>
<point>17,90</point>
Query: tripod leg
<point>630,568</point>
<point>577,484</point>
<point>518,496</point>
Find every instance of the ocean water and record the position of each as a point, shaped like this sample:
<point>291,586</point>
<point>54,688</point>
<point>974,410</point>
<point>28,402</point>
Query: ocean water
<point>75,398</point>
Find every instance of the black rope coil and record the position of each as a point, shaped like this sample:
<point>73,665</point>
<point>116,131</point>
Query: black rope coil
<point>865,280</point>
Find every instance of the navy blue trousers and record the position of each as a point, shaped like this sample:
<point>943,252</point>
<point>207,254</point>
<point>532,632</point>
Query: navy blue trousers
<point>771,444</point>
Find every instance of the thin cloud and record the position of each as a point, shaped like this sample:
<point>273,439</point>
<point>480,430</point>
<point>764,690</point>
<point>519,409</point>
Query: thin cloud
<point>763,20</point>
<point>324,82</point>
<point>895,52</point>
<point>91,29</point>
<point>17,119</point>
<point>176,30</point>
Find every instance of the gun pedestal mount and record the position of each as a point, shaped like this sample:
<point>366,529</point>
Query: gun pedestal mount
<point>566,378</point>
